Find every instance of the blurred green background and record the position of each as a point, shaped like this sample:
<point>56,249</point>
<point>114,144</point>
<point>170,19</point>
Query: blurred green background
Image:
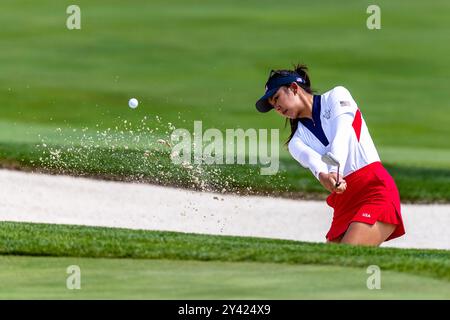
<point>208,61</point>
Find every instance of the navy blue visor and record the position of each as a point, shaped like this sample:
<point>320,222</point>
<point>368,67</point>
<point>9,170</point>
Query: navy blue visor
<point>273,84</point>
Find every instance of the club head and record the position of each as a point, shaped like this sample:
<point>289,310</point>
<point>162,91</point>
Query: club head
<point>330,159</point>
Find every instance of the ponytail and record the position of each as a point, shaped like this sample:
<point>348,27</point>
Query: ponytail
<point>302,69</point>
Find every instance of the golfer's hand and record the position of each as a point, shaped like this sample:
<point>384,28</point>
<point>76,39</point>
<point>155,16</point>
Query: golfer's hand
<point>328,181</point>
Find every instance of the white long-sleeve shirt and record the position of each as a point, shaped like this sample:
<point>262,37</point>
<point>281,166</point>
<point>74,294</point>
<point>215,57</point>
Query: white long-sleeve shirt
<point>337,127</point>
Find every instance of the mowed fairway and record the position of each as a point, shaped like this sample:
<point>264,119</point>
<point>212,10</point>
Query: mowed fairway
<point>138,264</point>
<point>208,61</point>
<point>45,278</point>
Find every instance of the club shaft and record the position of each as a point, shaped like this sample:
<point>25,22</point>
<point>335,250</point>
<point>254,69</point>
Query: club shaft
<point>337,180</point>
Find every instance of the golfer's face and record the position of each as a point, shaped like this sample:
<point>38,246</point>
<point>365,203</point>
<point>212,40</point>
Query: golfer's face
<point>284,103</point>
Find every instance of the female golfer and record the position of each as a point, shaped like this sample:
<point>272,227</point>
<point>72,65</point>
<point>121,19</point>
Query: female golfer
<point>365,200</point>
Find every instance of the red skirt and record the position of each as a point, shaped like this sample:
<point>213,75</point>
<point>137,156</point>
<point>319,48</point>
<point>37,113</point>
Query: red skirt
<point>371,196</point>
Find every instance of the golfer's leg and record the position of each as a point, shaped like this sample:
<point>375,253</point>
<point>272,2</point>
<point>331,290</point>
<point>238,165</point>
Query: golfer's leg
<point>359,233</point>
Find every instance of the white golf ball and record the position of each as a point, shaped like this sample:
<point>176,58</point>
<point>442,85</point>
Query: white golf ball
<point>133,103</point>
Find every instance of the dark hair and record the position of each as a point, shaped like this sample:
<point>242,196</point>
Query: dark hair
<point>301,70</point>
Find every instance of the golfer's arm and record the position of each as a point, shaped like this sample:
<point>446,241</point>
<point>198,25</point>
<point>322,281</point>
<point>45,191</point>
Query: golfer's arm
<point>307,157</point>
<point>341,130</point>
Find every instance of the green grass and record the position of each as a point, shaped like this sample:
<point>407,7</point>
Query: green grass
<point>94,242</point>
<point>63,108</point>
<point>208,60</point>
<point>46,277</point>
<point>135,264</point>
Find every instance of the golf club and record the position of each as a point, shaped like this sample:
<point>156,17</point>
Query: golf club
<point>331,160</point>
